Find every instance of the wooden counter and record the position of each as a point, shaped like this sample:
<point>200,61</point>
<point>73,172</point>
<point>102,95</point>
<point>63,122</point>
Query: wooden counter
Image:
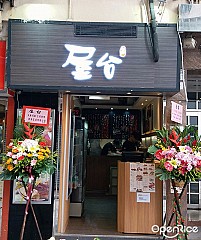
<point>133,216</point>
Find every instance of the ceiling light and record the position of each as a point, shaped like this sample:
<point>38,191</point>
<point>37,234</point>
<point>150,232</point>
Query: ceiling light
<point>98,92</point>
<point>126,109</point>
<point>142,103</point>
<point>128,93</point>
<point>99,97</point>
<point>111,108</point>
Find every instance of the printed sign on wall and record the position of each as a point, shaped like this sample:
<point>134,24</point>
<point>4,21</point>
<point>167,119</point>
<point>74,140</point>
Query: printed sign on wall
<point>37,116</point>
<point>176,112</point>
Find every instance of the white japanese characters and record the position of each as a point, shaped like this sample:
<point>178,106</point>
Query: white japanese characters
<point>109,67</point>
<point>80,61</point>
<point>80,57</point>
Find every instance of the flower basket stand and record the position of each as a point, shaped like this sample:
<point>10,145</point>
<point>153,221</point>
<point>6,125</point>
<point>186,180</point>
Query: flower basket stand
<point>177,208</point>
<point>28,190</point>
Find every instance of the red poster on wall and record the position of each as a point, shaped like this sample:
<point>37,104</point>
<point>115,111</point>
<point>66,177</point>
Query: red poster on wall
<point>2,63</point>
<point>37,116</point>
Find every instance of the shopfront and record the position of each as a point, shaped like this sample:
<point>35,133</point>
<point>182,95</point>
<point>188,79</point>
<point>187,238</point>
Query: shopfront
<point>62,65</point>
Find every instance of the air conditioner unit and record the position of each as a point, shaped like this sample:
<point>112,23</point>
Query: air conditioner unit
<point>189,43</point>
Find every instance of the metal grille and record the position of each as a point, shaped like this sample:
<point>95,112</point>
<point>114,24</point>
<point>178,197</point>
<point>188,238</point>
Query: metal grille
<point>105,30</point>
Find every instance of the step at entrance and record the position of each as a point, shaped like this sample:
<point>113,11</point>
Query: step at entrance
<point>106,237</point>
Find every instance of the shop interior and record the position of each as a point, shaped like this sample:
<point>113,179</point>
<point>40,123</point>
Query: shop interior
<point>93,180</point>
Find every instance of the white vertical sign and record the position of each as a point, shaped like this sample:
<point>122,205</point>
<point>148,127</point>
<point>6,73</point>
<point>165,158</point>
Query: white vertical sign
<point>176,112</point>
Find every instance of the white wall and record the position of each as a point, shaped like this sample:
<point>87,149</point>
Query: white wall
<point>90,10</point>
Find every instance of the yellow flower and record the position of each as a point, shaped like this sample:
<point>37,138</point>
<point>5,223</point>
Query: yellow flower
<point>42,150</point>
<point>10,167</point>
<point>174,163</point>
<point>40,153</point>
<point>40,157</point>
<point>9,161</point>
<point>47,156</point>
<point>47,150</point>
<point>29,154</point>
<point>182,148</point>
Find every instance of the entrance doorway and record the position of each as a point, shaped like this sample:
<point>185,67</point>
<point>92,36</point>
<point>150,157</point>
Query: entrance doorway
<point>108,118</point>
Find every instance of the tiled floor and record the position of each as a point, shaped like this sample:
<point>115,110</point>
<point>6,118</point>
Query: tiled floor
<point>99,219</point>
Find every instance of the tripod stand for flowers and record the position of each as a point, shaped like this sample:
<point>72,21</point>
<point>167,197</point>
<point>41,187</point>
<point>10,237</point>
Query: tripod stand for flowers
<point>178,153</point>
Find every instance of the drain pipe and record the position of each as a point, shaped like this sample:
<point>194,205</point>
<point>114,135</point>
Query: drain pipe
<point>154,35</point>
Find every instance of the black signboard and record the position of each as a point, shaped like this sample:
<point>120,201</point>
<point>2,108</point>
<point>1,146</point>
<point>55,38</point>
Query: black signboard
<point>51,55</point>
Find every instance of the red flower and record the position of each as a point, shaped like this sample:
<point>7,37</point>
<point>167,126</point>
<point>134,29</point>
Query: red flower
<point>189,137</point>
<point>199,163</point>
<point>168,166</point>
<point>182,170</point>
<point>42,144</point>
<point>164,140</point>
<point>194,142</point>
<point>20,158</point>
<point>174,137</point>
<point>185,140</point>
<point>158,154</point>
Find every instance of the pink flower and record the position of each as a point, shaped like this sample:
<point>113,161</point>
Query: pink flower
<point>168,166</point>
<point>33,162</point>
<point>189,167</point>
<point>15,162</point>
<point>9,154</point>
<point>168,154</point>
<point>14,156</point>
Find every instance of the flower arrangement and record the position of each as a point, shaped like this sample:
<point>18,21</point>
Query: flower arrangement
<point>27,158</point>
<point>178,153</point>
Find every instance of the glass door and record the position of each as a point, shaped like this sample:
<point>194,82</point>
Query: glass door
<point>194,188</point>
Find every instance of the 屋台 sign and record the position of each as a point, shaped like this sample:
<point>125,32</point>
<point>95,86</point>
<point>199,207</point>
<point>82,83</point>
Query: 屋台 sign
<point>37,116</point>
<point>84,64</point>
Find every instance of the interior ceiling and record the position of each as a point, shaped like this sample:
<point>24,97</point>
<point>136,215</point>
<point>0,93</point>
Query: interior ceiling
<point>118,102</point>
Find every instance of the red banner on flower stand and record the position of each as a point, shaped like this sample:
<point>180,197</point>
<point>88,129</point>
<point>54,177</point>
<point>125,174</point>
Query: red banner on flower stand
<point>37,116</point>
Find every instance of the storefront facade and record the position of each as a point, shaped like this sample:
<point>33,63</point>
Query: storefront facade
<point>50,62</point>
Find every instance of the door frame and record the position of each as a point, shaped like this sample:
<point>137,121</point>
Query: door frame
<point>194,113</point>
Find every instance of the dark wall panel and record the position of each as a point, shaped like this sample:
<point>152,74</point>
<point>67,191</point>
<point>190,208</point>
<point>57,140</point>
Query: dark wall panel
<point>44,212</point>
<point>36,53</point>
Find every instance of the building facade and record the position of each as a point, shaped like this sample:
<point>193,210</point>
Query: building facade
<point>123,56</point>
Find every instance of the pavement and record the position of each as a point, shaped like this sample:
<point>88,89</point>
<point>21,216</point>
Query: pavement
<point>195,235</point>
<point>191,236</point>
